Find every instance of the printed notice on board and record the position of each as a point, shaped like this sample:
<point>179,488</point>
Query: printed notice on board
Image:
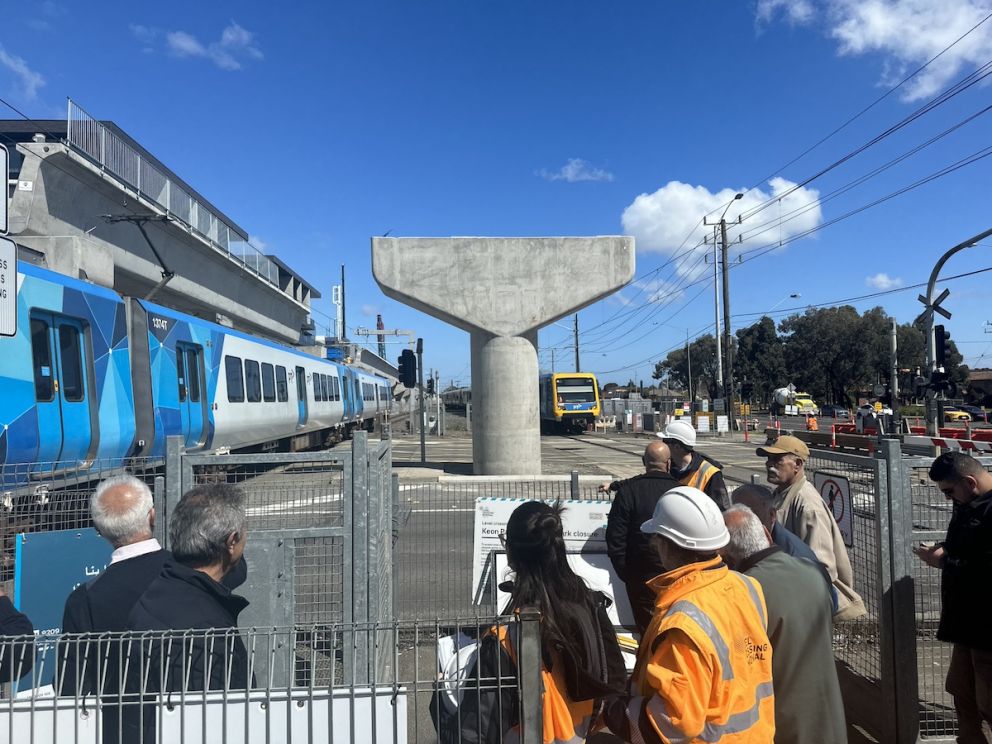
<point>8,287</point>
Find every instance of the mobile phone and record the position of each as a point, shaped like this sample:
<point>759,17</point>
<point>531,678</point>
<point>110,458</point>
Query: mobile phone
<point>928,545</point>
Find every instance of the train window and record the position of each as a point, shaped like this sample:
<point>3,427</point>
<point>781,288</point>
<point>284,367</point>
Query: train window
<point>324,388</point>
<point>193,372</point>
<point>71,363</point>
<point>235,379</point>
<point>268,383</point>
<point>181,375</point>
<point>318,395</point>
<point>253,381</point>
<point>282,388</point>
<point>41,352</point>
<point>335,391</point>
<point>301,384</point>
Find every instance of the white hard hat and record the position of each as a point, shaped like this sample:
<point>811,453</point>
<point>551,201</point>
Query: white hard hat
<point>681,431</point>
<point>690,519</point>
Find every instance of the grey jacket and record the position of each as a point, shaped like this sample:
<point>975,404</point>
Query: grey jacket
<point>808,703</point>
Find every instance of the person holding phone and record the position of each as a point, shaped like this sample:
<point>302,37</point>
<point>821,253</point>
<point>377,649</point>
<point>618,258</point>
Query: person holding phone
<point>965,562</point>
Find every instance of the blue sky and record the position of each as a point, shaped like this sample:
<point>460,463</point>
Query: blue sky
<point>318,126</point>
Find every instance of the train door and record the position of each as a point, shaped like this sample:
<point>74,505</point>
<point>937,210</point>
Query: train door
<point>189,373</point>
<point>62,388</point>
<point>301,396</point>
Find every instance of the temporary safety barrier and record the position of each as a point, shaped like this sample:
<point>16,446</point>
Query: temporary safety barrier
<point>202,686</point>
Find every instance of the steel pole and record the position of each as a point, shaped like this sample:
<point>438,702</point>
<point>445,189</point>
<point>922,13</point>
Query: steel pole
<point>420,396</point>
<point>577,368</point>
<point>716,315</point>
<point>728,377</point>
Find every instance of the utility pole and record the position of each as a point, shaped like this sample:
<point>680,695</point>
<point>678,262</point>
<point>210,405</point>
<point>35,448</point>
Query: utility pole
<point>344,327</point>
<point>552,360</point>
<point>894,382</point>
<point>716,316</point>
<point>420,395</point>
<point>577,368</point>
<point>728,378</point>
<point>688,357</point>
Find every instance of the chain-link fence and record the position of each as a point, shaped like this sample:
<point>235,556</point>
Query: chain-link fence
<point>433,553</point>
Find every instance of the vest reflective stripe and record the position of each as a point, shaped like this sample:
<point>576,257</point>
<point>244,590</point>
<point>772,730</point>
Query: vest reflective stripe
<point>712,732</point>
<point>706,625</point>
<point>756,599</point>
<point>701,477</point>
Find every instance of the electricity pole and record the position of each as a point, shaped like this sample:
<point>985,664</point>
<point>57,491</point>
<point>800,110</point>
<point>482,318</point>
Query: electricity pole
<point>420,395</point>
<point>577,343</point>
<point>728,376</point>
<point>688,358</point>
<point>716,316</point>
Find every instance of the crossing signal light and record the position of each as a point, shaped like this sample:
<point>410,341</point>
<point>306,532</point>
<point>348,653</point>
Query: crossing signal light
<point>941,337</point>
<point>430,386</point>
<point>408,368</point>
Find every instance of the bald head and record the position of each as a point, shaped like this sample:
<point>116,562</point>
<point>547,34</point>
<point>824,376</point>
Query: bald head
<point>123,511</point>
<point>657,457</point>
<point>758,499</point>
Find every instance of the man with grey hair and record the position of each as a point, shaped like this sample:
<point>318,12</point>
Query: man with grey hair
<point>207,534</point>
<point>808,703</point>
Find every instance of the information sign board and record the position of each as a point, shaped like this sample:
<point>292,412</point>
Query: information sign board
<point>8,287</point>
<point>47,567</point>
<point>583,525</point>
<point>836,493</point>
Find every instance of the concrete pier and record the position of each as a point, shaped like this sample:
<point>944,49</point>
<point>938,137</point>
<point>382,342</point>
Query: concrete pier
<point>502,290</point>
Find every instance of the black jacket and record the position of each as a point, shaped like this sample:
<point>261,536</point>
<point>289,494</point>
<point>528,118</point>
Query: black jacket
<point>627,546</point>
<point>16,656</point>
<point>716,488</point>
<point>966,578</point>
<point>184,599</point>
<point>490,704</point>
<point>103,605</point>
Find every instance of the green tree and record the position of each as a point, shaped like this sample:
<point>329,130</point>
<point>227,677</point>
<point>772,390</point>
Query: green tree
<point>760,358</point>
<point>702,354</point>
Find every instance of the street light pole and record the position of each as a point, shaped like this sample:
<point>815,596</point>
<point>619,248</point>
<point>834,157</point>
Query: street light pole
<point>577,369</point>
<point>716,316</point>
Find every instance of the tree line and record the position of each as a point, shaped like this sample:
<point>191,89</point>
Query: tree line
<point>833,353</point>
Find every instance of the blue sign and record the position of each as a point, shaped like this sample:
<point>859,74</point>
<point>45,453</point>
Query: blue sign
<point>47,567</point>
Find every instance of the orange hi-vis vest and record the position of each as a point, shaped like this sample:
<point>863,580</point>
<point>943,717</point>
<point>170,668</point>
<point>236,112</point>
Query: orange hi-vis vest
<point>704,668</point>
<point>700,478</point>
<point>565,721</point>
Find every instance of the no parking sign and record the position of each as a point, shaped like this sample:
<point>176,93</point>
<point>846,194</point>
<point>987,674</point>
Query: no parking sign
<point>836,493</point>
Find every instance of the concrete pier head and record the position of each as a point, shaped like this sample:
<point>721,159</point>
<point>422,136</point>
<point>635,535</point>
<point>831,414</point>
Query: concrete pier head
<point>502,290</point>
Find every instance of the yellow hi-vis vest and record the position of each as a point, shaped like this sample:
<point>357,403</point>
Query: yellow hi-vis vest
<point>565,721</point>
<point>700,478</point>
<point>704,669</point>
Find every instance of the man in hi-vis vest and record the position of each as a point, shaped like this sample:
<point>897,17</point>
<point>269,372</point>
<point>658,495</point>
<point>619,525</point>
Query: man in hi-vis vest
<point>690,468</point>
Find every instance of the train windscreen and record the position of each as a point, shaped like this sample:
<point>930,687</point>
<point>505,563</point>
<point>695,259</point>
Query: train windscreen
<point>577,390</point>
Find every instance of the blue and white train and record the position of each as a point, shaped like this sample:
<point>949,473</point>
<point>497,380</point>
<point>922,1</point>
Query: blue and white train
<point>92,376</point>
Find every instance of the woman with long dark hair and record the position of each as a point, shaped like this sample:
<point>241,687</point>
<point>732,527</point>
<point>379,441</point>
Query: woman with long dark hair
<point>581,660</point>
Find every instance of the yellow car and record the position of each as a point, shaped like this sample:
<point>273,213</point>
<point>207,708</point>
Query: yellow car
<point>955,414</point>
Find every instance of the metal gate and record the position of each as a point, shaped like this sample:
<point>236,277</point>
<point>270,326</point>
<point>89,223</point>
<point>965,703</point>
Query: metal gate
<point>319,538</point>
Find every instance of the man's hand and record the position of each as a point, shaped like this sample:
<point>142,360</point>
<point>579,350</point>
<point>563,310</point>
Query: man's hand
<point>604,487</point>
<point>930,553</point>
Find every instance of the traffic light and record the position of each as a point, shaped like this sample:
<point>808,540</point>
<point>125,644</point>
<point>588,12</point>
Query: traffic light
<point>408,368</point>
<point>941,337</point>
<point>747,390</point>
<point>430,386</point>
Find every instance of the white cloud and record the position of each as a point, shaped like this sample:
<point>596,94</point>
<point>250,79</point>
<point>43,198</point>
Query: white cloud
<point>28,80</point>
<point>670,220</point>
<point>907,33</point>
<point>236,45</point>
<point>370,310</point>
<point>794,11</point>
<point>883,281</point>
<point>575,170</point>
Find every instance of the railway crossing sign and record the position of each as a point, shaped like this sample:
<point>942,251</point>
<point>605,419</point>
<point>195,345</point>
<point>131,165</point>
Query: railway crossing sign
<point>8,287</point>
<point>836,494</point>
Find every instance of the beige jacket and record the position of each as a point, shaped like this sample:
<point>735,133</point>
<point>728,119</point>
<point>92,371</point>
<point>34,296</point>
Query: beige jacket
<point>803,513</point>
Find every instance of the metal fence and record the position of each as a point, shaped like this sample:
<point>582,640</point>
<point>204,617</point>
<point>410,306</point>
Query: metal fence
<point>113,154</point>
<point>893,666</point>
<point>142,687</point>
<point>432,570</point>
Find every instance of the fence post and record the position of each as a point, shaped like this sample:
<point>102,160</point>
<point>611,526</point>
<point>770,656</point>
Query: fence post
<point>898,610</point>
<point>529,672</point>
<point>173,482</point>
<point>360,552</point>
<point>575,485</point>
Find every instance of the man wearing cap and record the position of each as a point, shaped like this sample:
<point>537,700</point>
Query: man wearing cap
<point>800,509</point>
<point>633,559</point>
<point>704,665</point>
<point>690,468</point>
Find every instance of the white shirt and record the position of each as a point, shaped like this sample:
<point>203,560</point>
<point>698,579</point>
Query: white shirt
<point>134,550</point>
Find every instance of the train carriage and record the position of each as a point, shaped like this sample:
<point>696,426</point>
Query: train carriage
<point>569,401</point>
